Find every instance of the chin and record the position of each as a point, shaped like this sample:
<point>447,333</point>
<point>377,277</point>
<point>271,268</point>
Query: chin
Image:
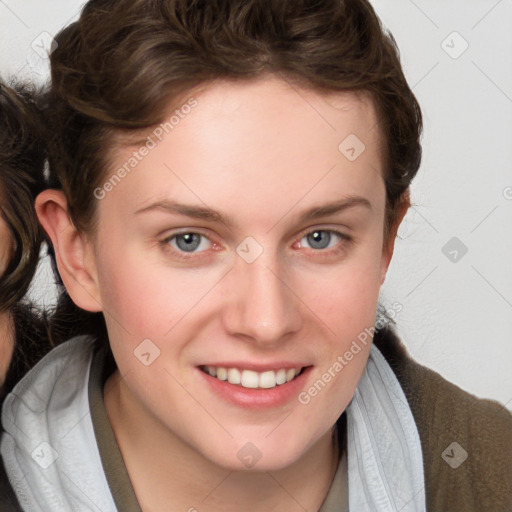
<point>255,456</point>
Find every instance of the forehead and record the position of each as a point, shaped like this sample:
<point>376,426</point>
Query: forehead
<point>261,107</point>
<point>267,138</point>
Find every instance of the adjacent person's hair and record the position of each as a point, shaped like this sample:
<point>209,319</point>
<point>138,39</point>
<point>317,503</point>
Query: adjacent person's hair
<point>22,157</point>
<point>119,68</point>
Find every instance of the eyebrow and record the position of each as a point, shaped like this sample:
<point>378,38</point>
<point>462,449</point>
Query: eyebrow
<point>208,214</point>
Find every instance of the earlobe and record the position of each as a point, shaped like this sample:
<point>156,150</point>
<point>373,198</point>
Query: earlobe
<point>73,251</point>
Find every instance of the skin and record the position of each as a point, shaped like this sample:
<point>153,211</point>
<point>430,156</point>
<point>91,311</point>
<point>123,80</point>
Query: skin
<point>261,152</point>
<point>6,343</point>
<point>6,327</point>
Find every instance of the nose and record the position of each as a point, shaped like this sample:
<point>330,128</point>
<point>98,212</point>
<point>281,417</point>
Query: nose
<point>262,306</point>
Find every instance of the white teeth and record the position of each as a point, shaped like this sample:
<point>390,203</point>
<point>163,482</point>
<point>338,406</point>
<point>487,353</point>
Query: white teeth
<point>268,379</point>
<point>290,374</point>
<point>234,376</point>
<point>251,379</point>
<point>281,376</point>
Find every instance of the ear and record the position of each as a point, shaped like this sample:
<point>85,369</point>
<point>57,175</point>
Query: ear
<point>389,244</point>
<point>73,250</point>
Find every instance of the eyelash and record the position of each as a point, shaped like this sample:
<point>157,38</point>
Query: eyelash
<point>345,240</point>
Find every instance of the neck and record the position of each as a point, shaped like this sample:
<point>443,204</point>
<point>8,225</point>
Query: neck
<point>6,342</point>
<point>186,478</point>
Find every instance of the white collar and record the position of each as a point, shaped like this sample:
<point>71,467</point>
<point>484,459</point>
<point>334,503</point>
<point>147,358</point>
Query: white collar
<point>385,461</point>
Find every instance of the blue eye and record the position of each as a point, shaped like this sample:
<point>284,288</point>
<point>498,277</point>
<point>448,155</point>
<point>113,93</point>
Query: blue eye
<point>190,241</point>
<point>320,238</point>
<point>186,242</point>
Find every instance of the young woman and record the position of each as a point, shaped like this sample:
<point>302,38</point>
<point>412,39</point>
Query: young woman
<point>227,182</point>
<point>23,332</point>
<point>23,335</point>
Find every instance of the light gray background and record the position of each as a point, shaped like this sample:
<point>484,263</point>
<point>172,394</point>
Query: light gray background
<point>457,315</point>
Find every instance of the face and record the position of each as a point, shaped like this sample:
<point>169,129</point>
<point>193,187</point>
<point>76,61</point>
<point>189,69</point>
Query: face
<point>270,282</point>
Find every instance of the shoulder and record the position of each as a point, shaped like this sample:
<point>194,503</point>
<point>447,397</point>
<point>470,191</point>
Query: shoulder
<point>466,440</point>
<point>45,419</point>
<point>32,343</point>
<point>60,370</point>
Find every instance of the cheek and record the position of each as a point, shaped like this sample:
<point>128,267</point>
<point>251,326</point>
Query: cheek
<point>144,298</point>
<point>349,310</point>
<point>348,294</point>
<point>130,298</point>
<point>348,307</point>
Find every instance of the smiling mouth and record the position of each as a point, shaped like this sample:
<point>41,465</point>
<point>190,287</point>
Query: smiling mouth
<point>251,379</point>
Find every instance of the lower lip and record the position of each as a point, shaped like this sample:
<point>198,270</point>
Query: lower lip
<point>257,398</point>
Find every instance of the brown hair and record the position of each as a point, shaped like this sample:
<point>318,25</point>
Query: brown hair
<point>120,65</point>
<point>118,68</point>
<point>22,155</point>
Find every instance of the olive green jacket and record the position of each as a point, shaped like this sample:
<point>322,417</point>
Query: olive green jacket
<point>444,415</point>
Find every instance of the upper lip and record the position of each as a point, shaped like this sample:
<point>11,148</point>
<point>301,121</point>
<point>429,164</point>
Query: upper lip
<point>242,365</point>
